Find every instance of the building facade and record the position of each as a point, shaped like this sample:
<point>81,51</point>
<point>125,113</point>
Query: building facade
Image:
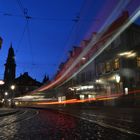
<point>114,72</point>
<point>10,67</point>
<point>22,84</point>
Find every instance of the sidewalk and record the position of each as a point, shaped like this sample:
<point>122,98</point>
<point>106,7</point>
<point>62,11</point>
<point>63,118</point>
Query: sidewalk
<point>7,111</point>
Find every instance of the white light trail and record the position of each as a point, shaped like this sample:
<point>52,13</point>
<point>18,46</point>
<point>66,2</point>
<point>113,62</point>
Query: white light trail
<point>132,18</point>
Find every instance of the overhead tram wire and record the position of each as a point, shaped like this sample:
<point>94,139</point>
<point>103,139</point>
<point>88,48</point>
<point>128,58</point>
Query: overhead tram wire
<point>37,64</point>
<point>30,42</point>
<point>22,35</point>
<point>27,18</point>
<point>33,18</point>
<point>26,28</point>
<point>80,15</point>
<point>81,20</point>
<point>23,10</point>
<point>68,39</point>
<point>29,34</point>
<point>25,15</point>
<point>20,5</point>
<point>76,21</point>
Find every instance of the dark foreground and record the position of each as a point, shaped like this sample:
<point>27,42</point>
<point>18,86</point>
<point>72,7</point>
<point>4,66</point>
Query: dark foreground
<point>52,125</point>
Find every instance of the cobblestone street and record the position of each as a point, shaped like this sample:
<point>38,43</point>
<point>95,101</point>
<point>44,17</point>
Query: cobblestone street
<point>51,125</point>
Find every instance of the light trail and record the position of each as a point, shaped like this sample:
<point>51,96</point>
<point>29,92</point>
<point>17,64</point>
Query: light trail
<point>97,98</point>
<point>74,101</point>
<point>133,17</point>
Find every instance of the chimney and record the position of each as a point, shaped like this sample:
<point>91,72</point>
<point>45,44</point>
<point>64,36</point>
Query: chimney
<point>125,14</point>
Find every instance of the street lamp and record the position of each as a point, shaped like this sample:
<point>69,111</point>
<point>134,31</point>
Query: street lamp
<point>12,101</point>
<point>5,98</point>
<point>6,93</point>
<point>12,87</point>
<point>117,78</point>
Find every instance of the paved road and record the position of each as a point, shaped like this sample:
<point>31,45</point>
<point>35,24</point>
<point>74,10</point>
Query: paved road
<point>126,120</point>
<point>51,125</point>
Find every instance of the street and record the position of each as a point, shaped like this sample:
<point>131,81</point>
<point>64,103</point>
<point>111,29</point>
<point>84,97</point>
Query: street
<point>43,124</point>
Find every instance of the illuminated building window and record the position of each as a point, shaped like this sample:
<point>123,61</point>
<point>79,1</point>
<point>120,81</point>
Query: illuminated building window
<point>101,68</point>
<point>138,61</point>
<point>108,66</point>
<point>116,64</point>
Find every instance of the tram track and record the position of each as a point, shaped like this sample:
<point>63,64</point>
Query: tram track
<point>22,115</point>
<point>103,124</point>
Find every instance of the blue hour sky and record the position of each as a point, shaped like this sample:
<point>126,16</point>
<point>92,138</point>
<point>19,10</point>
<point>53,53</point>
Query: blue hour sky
<point>55,26</point>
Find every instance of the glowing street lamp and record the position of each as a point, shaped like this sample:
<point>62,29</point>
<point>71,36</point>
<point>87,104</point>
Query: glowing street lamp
<point>6,93</point>
<point>1,82</point>
<point>117,78</point>
<point>12,87</point>
<point>5,98</point>
<point>12,101</point>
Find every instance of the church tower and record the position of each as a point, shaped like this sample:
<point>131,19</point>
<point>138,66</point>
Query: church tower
<point>10,66</point>
<point>46,80</point>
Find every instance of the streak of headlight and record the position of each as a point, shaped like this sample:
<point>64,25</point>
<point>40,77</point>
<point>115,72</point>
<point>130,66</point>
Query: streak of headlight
<point>128,23</point>
<point>73,101</point>
<point>93,41</point>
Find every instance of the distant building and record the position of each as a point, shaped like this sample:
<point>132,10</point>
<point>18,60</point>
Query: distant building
<point>113,67</point>
<point>115,70</point>
<point>46,80</point>
<point>10,67</point>
<point>25,83</point>
<point>9,73</point>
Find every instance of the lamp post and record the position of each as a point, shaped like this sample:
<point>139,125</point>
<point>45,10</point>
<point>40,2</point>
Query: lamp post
<point>5,98</point>
<point>6,93</point>
<point>12,87</point>
<point>118,78</point>
<point>12,101</point>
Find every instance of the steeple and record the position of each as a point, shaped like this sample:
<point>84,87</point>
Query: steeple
<point>10,66</point>
<point>45,79</point>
